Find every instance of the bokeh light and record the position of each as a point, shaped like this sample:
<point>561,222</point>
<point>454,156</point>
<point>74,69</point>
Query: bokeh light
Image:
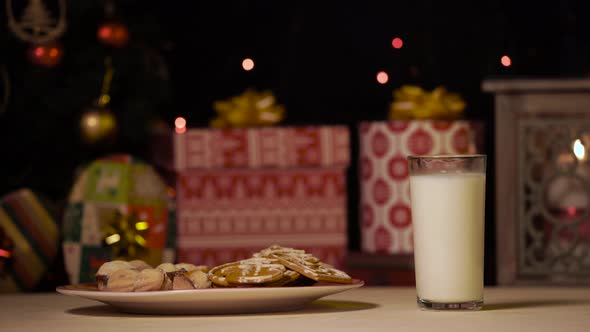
<point>506,61</point>
<point>105,32</point>
<point>382,77</point>
<point>180,122</point>
<point>579,149</point>
<point>248,64</point>
<point>180,125</point>
<point>397,43</point>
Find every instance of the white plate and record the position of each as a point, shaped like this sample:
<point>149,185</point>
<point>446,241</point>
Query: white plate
<point>212,300</point>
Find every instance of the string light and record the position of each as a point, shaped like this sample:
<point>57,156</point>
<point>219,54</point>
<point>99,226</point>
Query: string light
<point>579,149</point>
<point>180,125</point>
<point>397,43</point>
<point>506,61</point>
<point>248,64</point>
<point>382,77</point>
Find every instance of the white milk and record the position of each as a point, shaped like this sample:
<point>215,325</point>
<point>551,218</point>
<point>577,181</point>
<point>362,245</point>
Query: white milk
<point>448,220</point>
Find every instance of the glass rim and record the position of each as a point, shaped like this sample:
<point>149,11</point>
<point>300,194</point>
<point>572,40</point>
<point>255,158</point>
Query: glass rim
<point>448,156</point>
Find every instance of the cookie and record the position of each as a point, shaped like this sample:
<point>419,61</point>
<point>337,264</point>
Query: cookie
<point>301,282</point>
<point>288,278</point>
<point>191,267</point>
<point>306,264</point>
<point>167,268</point>
<point>149,280</point>
<point>122,281</point>
<point>199,279</point>
<point>139,265</point>
<point>107,269</point>
<point>248,272</point>
<point>195,279</point>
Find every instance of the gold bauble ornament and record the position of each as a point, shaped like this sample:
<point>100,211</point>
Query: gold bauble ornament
<point>98,125</point>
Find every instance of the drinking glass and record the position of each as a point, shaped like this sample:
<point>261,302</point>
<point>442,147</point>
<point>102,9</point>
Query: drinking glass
<point>448,206</point>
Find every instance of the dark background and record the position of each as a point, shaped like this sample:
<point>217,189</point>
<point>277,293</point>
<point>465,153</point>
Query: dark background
<point>320,58</point>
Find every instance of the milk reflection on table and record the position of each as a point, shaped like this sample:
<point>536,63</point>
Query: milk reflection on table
<point>448,220</point>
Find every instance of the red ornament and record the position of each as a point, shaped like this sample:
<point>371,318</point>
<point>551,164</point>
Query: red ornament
<point>46,55</point>
<point>113,34</point>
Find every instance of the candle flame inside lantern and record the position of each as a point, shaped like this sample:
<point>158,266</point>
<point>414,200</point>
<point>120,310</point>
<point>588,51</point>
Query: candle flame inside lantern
<point>579,149</point>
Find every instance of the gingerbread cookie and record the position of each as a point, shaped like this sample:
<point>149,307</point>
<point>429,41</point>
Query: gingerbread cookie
<point>288,278</point>
<point>248,272</point>
<point>306,264</point>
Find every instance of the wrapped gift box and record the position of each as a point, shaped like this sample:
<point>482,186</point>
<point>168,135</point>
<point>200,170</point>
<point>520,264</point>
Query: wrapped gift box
<point>385,189</point>
<point>27,224</point>
<point>116,184</point>
<point>241,190</point>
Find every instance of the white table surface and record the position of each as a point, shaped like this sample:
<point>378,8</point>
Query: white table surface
<point>364,309</point>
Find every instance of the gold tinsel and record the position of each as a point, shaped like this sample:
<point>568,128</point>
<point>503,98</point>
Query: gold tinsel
<point>250,109</point>
<point>412,102</point>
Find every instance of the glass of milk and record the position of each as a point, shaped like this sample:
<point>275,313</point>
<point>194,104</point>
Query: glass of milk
<point>448,205</point>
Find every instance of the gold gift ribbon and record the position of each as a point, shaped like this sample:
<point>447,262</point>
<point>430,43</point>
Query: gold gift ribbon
<point>250,109</point>
<point>411,102</point>
<point>125,234</point>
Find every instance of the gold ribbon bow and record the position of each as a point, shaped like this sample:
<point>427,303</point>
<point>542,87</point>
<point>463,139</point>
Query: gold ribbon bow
<point>412,102</point>
<point>125,235</point>
<point>250,109</point>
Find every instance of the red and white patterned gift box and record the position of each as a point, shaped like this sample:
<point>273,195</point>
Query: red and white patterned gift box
<point>241,190</point>
<point>262,147</point>
<point>385,189</point>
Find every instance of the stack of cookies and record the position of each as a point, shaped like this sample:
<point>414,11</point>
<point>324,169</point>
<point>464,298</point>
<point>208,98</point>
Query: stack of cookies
<point>275,266</point>
<point>138,276</point>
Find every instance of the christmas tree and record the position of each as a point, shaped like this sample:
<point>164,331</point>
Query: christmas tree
<point>43,127</point>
